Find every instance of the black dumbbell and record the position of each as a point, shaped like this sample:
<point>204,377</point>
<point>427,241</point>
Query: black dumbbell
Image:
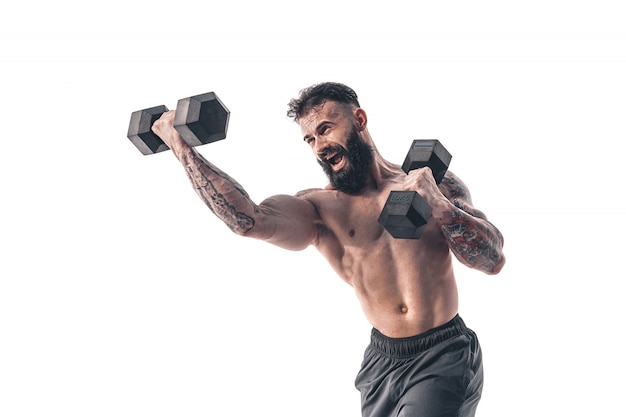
<point>199,120</point>
<point>406,213</point>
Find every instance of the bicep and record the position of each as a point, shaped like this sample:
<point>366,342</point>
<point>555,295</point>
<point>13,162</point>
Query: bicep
<point>287,221</point>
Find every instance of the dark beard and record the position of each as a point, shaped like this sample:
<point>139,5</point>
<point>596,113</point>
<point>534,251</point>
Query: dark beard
<point>352,179</point>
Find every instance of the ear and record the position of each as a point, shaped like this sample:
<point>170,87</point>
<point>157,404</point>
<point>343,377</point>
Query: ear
<point>361,118</point>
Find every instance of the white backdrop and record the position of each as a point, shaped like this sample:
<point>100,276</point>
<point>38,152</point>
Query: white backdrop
<point>121,294</point>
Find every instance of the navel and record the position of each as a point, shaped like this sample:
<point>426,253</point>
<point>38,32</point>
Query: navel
<point>403,309</point>
<point>351,233</point>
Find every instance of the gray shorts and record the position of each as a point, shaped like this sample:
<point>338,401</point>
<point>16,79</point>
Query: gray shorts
<point>438,373</point>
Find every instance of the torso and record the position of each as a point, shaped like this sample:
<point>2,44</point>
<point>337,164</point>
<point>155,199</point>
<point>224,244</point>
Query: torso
<point>405,286</point>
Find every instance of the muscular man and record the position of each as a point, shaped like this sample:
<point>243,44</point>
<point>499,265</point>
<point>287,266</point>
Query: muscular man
<point>422,359</point>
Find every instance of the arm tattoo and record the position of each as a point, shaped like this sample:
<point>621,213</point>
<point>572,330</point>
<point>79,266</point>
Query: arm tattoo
<point>220,193</point>
<point>474,241</point>
<point>467,230</point>
<point>455,189</point>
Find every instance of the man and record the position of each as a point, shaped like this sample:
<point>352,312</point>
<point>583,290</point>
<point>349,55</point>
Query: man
<point>422,360</point>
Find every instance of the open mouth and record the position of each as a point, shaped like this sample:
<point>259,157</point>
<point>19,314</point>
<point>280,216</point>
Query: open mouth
<point>333,157</point>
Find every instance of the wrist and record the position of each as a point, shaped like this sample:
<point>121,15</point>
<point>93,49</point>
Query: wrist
<point>176,143</point>
<point>442,210</point>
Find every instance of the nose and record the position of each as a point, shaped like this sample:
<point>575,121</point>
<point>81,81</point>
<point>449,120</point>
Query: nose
<point>320,146</point>
<point>321,150</point>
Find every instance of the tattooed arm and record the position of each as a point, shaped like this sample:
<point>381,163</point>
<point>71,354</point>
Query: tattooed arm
<point>472,238</point>
<point>286,221</point>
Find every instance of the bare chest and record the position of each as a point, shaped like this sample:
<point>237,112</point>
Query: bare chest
<point>353,221</point>
<point>359,247</point>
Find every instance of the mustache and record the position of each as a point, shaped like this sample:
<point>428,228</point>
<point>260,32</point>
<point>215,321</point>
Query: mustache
<point>331,150</point>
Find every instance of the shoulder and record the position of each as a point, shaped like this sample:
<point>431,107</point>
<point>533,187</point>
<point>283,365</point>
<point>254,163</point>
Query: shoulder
<point>308,192</point>
<point>327,202</point>
<point>302,204</point>
<point>317,195</point>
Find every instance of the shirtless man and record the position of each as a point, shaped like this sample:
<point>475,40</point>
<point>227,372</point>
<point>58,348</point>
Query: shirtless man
<point>422,359</point>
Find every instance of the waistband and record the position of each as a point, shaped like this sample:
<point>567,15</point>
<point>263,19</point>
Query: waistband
<point>408,346</point>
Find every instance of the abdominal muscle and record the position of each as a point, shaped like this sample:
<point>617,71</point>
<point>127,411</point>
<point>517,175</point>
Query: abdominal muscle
<point>405,287</point>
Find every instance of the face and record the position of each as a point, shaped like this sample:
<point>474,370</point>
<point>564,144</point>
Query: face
<point>341,152</point>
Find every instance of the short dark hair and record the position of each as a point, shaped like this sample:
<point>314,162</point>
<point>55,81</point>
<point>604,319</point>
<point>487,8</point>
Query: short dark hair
<point>317,94</point>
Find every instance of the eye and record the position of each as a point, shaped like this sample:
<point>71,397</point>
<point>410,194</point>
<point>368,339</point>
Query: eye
<point>309,139</point>
<point>323,129</point>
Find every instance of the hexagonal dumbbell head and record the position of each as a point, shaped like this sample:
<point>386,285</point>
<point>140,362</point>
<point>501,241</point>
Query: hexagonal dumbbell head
<point>201,119</point>
<point>428,152</point>
<point>140,130</point>
<point>405,214</point>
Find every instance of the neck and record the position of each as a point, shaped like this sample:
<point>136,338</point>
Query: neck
<point>381,169</point>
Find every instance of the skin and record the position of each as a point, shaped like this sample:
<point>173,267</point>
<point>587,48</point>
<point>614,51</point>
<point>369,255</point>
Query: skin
<point>405,287</point>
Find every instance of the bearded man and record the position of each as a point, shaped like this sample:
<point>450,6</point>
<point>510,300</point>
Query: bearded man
<point>422,360</point>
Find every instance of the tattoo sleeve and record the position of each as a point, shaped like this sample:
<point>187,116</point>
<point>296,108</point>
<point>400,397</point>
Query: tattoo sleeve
<point>474,240</point>
<point>222,194</point>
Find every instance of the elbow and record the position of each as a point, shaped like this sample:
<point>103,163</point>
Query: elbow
<point>243,225</point>
<point>496,266</point>
<point>267,232</point>
<point>497,258</point>
<point>252,230</point>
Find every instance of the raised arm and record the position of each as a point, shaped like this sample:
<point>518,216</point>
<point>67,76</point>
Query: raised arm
<point>286,221</point>
<point>472,238</point>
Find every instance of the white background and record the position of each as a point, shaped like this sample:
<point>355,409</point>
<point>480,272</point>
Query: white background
<point>121,294</point>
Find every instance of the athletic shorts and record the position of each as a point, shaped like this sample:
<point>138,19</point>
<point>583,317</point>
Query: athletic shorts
<point>438,373</point>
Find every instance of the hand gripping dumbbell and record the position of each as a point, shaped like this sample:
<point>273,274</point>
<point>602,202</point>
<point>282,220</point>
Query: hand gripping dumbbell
<point>406,213</point>
<point>199,120</point>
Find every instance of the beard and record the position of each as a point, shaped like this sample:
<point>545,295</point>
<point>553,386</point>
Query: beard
<point>352,178</point>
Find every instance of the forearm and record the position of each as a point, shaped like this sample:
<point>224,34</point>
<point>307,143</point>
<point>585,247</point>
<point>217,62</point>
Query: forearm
<point>474,241</point>
<point>222,194</point>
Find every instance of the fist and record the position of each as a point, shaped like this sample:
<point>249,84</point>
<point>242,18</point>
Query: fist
<point>163,127</point>
<point>422,181</point>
